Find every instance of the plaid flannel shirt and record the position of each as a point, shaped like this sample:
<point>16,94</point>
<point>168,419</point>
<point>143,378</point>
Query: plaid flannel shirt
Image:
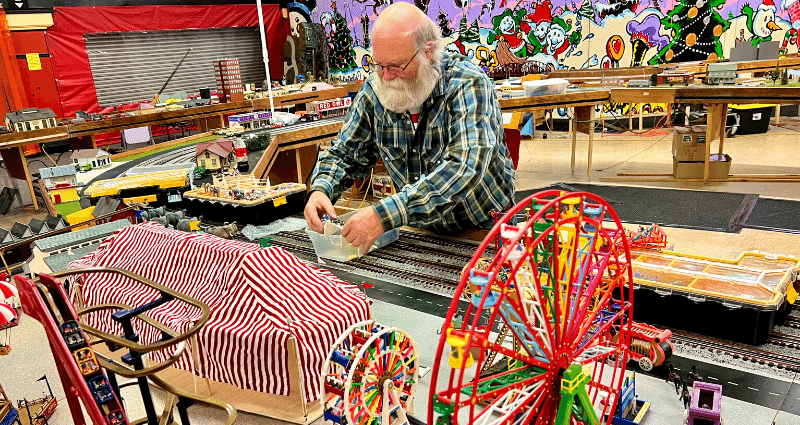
<point>449,180</point>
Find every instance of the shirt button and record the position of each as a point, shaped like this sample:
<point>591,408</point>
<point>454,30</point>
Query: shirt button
<point>416,178</point>
<point>414,150</point>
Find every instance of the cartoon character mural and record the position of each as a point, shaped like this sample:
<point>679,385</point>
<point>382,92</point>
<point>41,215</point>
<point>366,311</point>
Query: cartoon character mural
<point>541,18</point>
<point>761,22</point>
<point>557,34</point>
<point>509,28</point>
<point>644,36</point>
<point>557,39</point>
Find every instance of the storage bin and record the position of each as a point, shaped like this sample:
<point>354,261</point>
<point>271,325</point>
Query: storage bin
<point>753,119</point>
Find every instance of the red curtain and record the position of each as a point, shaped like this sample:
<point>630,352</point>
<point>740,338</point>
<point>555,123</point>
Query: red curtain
<point>68,49</point>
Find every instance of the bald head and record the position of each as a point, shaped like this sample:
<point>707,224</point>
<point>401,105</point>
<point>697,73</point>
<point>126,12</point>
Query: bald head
<point>399,20</point>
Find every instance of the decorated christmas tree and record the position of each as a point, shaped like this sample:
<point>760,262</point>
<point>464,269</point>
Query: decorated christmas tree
<point>341,56</point>
<point>695,27</point>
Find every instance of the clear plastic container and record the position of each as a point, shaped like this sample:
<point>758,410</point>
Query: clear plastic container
<point>335,247</point>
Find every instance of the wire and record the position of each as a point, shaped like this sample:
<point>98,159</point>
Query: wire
<point>366,191</point>
<point>55,163</point>
<point>634,155</point>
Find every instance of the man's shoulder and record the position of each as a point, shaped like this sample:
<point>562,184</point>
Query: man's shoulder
<point>458,69</point>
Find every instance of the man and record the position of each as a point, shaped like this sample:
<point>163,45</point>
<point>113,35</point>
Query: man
<point>434,119</point>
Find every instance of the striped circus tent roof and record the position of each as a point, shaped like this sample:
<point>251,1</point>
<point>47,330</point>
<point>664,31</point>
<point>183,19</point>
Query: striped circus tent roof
<point>259,298</point>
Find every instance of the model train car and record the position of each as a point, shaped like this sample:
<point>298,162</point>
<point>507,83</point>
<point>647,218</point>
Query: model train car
<point>329,108</point>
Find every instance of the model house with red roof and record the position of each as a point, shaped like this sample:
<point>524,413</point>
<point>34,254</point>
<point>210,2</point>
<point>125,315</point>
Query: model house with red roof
<point>214,155</point>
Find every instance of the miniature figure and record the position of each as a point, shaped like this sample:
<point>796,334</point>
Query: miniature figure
<point>685,396</point>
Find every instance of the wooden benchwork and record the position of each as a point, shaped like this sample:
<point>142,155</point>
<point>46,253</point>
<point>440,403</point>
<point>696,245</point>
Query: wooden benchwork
<point>279,165</point>
<point>45,135</point>
<point>296,98</point>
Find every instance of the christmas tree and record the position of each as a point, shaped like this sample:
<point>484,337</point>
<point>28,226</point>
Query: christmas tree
<point>587,10</point>
<point>341,56</point>
<point>695,27</point>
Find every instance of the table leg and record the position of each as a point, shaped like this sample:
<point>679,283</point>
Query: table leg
<point>723,124</point>
<point>591,142</point>
<point>574,139</point>
<point>712,131</point>
<point>641,118</point>
<point>778,113</point>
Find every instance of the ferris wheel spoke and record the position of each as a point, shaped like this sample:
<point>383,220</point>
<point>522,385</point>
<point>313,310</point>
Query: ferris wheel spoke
<point>533,339</point>
<point>516,404</point>
<point>491,387</point>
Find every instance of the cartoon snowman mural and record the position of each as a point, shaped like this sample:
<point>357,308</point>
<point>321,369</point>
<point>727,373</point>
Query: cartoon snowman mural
<point>557,39</point>
<point>541,18</point>
<point>509,27</point>
<point>761,22</point>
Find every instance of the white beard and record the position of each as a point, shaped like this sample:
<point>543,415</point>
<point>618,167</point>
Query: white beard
<point>400,95</point>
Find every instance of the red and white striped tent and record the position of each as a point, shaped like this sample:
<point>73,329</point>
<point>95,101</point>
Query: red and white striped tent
<point>259,298</point>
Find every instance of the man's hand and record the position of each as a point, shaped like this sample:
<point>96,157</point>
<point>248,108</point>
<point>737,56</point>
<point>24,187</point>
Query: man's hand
<point>363,229</point>
<point>318,204</point>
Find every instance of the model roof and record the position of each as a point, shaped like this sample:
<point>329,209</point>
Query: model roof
<point>88,153</point>
<point>3,234</point>
<point>37,225</point>
<point>19,231</point>
<point>78,237</point>
<point>53,221</point>
<point>218,147</point>
<point>60,171</point>
<point>60,262</point>
<point>30,114</point>
<point>106,205</point>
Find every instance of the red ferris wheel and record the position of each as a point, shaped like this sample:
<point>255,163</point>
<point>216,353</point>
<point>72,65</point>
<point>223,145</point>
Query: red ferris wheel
<point>544,337</point>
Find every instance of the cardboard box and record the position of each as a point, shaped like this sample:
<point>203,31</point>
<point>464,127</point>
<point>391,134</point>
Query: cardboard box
<point>382,186</point>
<point>717,168</point>
<point>689,144</point>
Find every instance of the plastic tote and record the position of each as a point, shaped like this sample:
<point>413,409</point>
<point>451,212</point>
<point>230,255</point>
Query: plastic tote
<point>336,247</point>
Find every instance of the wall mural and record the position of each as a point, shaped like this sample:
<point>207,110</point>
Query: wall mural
<point>563,34</point>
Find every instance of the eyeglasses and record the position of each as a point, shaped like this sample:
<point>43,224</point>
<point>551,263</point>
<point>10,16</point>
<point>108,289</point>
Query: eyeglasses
<point>395,69</point>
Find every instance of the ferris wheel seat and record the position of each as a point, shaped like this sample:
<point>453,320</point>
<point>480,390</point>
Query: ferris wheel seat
<point>491,299</point>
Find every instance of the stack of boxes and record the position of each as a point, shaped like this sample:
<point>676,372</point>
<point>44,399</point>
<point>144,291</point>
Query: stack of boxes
<point>688,151</point>
<point>229,80</point>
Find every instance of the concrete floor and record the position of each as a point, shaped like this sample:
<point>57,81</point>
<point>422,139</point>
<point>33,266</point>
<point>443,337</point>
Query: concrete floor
<point>542,162</point>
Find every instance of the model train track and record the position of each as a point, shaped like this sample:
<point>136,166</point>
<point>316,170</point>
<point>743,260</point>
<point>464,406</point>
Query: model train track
<point>792,322</point>
<point>440,276</point>
<point>184,154</point>
<point>752,354</point>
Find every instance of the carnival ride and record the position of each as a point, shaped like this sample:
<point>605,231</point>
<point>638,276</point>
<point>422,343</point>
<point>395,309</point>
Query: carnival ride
<point>554,302</point>
<point>370,376</point>
<point>39,409</point>
<point>9,315</point>
<point>88,372</point>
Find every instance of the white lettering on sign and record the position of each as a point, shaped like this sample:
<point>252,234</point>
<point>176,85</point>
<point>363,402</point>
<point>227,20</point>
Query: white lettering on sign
<point>338,103</point>
<point>757,117</point>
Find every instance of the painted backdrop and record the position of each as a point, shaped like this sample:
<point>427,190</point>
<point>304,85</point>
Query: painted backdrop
<point>564,34</point>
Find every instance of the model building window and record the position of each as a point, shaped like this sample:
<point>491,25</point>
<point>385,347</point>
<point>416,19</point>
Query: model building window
<point>28,125</point>
<point>214,162</point>
<point>207,155</point>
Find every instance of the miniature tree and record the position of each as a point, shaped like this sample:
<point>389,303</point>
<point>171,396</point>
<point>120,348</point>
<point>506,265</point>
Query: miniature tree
<point>695,27</point>
<point>785,77</point>
<point>654,79</point>
<point>341,56</point>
